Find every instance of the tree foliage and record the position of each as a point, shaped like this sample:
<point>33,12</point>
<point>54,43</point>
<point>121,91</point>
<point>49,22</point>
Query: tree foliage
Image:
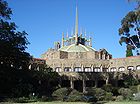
<point>23,83</point>
<point>5,11</point>
<point>138,3</point>
<point>12,42</point>
<point>130,31</point>
<point>129,53</point>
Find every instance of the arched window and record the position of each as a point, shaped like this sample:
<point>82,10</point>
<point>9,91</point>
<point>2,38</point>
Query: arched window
<point>97,69</point>
<point>88,69</point>
<point>78,69</point>
<point>121,69</point>
<point>58,69</point>
<point>67,69</point>
<point>130,68</point>
<point>138,67</point>
<point>113,69</point>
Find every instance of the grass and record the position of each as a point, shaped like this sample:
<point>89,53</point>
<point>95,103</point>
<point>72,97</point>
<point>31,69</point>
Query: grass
<point>124,102</point>
<point>57,102</point>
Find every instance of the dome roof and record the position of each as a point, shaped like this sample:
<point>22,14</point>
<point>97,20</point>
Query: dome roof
<point>76,48</point>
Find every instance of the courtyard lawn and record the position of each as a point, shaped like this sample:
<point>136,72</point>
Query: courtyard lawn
<point>57,102</point>
<point>129,102</point>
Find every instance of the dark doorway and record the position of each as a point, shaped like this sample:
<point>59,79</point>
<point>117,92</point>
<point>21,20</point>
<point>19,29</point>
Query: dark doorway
<point>120,83</point>
<point>114,82</point>
<point>78,85</point>
<point>90,83</point>
<point>65,83</point>
<point>101,83</point>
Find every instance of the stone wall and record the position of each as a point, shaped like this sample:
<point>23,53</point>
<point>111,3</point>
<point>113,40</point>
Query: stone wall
<point>125,62</point>
<point>90,63</point>
<point>94,61</point>
<point>77,55</point>
<point>91,55</point>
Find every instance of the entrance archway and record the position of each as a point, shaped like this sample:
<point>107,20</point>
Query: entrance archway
<point>65,83</point>
<point>78,85</point>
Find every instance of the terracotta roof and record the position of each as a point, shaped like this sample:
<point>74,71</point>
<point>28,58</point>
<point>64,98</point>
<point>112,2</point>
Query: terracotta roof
<point>38,59</point>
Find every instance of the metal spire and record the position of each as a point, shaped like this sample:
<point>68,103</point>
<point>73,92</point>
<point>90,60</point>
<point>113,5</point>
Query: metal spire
<point>90,42</point>
<point>81,32</point>
<point>62,40</point>
<point>76,26</point>
<point>67,34</point>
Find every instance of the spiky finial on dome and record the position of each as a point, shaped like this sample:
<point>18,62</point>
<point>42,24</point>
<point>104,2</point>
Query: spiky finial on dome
<point>76,26</point>
<point>62,43</point>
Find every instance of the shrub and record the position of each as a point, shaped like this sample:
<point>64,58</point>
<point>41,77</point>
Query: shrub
<point>100,94</point>
<point>138,88</point>
<point>129,80</point>
<point>61,94</point>
<point>89,98</point>
<point>75,96</point>
<point>137,96</point>
<point>115,91</point>
<point>126,93</point>
<point>90,91</point>
<point>108,96</point>
<point>45,98</point>
<point>119,98</point>
<point>21,90</point>
<point>107,88</point>
<point>97,93</point>
<point>133,89</point>
<point>17,100</point>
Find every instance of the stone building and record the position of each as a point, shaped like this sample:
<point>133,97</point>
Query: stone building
<point>81,65</point>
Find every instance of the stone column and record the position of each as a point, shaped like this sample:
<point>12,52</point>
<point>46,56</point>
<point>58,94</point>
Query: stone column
<point>108,57</point>
<point>30,66</point>
<point>107,80</point>
<point>92,68</point>
<point>96,83</point>
<point>82,67</point>
<point>84,86</point>
<point>101,68</point>
<point>109,69</point>
<point>72,67</point>
<point>104,56</point>
<point>71,83</point>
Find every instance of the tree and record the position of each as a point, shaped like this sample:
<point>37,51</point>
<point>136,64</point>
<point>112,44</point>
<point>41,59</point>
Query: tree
<point>138,2</point>
<point>12,42</point>
<point>129,53</point>
<point>130,31</point>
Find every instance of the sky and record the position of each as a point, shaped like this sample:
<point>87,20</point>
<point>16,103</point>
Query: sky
<point>45,20</point>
